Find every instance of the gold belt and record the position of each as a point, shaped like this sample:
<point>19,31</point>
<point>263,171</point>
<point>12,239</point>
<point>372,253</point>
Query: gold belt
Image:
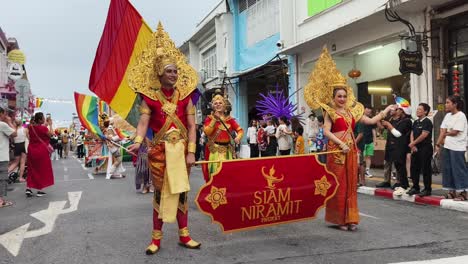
<point>172,136</point>
<point>219,148</point>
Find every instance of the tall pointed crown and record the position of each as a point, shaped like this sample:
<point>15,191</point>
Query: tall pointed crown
<point>150,64</point>
<point>323,79</point>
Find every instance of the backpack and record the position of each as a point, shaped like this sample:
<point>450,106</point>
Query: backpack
<point>65,139</point>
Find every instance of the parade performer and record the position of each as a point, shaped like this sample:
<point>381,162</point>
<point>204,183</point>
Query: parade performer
<point>327,89</point>
<point>114,164</point>
<point>40,173</point>
<point>218,128</point>
<point>167,85</point>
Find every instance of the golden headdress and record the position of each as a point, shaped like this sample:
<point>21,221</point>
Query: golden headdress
<point>161,52</point>
<point>218,95</point>
<point>323,80</point>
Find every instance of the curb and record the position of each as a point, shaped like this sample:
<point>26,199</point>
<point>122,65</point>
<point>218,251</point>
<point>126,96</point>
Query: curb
<point>439,201</point>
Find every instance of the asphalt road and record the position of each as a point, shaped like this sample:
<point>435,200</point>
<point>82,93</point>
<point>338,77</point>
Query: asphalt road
<point>112,224</point>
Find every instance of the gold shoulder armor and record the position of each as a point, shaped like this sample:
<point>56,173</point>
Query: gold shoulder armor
<point>357,110</point>
<point>330,111</point>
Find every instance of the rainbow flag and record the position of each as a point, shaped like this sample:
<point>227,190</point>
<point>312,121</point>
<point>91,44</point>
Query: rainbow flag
<point>103,107</point>
<point>122,133</point>
<point>402,102</point>
<point>124,37</point>
<point>39,102</point>
<point>87,110</point>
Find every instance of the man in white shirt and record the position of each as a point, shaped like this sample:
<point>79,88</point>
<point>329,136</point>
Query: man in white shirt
<point>252,139</point>
<point>7,131</point>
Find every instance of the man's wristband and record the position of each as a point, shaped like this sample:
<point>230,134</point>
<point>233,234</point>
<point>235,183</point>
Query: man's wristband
<point>138,139</point>
<point>192,147</point>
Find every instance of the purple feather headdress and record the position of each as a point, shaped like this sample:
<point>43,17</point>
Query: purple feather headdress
<point>276,105</point>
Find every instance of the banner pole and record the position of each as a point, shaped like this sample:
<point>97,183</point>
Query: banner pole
<point>269,157</point>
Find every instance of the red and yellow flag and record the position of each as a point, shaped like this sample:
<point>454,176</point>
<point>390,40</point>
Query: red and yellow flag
<point>124,37</point>
<point>252,193</point>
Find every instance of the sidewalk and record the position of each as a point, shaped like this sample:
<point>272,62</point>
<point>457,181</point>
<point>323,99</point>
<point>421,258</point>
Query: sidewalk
<point>436,199</point>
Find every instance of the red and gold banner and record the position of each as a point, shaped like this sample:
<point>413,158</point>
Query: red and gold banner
<point>252,193</point>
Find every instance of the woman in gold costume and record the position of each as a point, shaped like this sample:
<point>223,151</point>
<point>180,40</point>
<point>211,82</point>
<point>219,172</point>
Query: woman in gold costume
<point>218,128</point>
<point>327,89</point>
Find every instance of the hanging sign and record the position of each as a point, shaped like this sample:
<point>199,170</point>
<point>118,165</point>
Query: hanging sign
<point>17,56</point>
<point>15,71</point>
<point>410,62</point>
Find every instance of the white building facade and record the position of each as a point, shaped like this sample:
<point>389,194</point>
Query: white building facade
<point>208,52</point>
<point>359,36</point>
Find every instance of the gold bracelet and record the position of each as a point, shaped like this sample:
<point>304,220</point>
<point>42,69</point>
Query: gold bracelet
<point>343,145</point>
<point>191,110</point>
<point>138,139</point>
<point>144,110</point>
<point>382,115</point>
<point>192,147</point>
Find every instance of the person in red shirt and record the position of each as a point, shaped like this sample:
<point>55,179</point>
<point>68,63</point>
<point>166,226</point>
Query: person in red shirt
<point>218,128</point>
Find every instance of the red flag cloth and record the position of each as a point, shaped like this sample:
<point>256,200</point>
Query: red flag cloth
<point>252,193</point>
<point>124,37</point>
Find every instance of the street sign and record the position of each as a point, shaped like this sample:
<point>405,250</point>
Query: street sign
<point>22,86</point>
<point>410,62</point>
<point>15,71</point>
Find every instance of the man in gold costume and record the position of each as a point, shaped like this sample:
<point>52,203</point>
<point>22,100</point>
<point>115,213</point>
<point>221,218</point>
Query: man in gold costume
<point>167,85</point>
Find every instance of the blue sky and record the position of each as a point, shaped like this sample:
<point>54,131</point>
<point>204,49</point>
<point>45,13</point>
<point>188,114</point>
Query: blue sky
<point>59,39</point>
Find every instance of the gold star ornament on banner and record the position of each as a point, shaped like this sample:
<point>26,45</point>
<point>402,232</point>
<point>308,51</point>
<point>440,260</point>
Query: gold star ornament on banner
<point>216,197</point>
<point>322,186</point>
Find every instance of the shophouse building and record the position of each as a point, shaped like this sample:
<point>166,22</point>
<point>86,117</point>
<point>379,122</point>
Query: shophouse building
<point>367,36</point>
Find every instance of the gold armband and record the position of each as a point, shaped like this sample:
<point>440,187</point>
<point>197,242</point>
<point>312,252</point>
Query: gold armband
<point>192,147</point>
<point>191,110</point>
<point>138,139</point>
<point>144,110</point>
<point>212,123</point>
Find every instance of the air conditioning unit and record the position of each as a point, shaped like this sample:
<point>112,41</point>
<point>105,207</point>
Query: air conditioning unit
<point>202,75</point>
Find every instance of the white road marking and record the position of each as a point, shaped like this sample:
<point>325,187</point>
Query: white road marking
<point>454,260</point>
<point>65,168</point>
<point>90,176</point>
<point>370,216</point>
<point>73,180</point>
<point>13,240</point>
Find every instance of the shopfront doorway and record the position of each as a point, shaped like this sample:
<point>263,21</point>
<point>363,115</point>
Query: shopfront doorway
<point>458,56</point>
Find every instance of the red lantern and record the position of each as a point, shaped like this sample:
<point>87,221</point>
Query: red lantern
<point>455,88</point>
<point>354,73</point>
